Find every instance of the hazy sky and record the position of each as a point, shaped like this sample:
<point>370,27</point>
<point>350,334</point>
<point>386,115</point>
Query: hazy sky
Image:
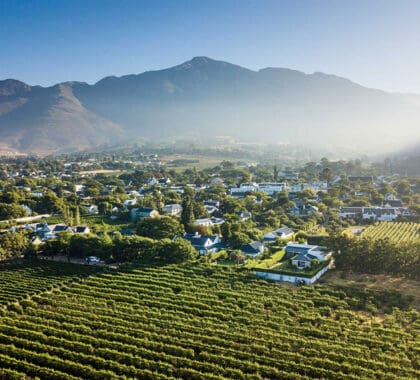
<point>375,43</point>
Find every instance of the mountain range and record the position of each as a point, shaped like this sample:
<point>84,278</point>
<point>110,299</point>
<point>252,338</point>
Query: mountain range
<point>206,98</point>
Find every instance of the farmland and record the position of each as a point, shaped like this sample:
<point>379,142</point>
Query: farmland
<point>202,322</point>
<point>19,281</point>
<point>398,232</point>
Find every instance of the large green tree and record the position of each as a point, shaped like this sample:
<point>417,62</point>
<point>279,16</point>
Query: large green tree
<point>160,228</point>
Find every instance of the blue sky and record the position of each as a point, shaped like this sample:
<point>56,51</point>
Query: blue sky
<point>375,43</point>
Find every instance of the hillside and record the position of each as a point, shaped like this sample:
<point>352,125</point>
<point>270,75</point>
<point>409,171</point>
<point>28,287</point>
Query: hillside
<point>204,97</point>
<point>201,322</point>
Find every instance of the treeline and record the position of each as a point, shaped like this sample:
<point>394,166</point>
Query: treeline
<point>120,248</point>
<point>376,256</point>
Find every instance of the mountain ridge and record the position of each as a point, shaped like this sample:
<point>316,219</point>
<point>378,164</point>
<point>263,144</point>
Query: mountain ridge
<point>204,97</point>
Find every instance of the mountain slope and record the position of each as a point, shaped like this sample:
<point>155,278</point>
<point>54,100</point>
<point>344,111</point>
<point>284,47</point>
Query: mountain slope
<point>204,97</point>
<point>36,119</point>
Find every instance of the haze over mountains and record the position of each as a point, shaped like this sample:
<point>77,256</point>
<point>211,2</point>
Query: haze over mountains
<point>205,98</point>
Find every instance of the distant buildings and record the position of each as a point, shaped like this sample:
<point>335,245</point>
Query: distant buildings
<point>383,214</point>
<point>143,212</point>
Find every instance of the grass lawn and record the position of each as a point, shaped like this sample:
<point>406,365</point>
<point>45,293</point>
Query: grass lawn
<point>267,263</point>
<point>286,267</point>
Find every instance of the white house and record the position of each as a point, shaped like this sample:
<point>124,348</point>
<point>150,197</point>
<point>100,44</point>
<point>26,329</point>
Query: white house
<point>143,212</point>
<point>244,188</point>
<point>383,214</point>
<point>79,188</point>
<point>272,187</point>
<point>81,230</point>
<point>152,181</point>
<point>208,222</point>
<point>92,210</point>
<point>52,232</point>
<point>204,243</point>
<point>244,216</point>
<point>303,254</point>
<point>281,233</point>
<point>129,203</point>
<point>172,209</point>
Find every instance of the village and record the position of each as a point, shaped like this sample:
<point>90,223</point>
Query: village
<point>275,222</point>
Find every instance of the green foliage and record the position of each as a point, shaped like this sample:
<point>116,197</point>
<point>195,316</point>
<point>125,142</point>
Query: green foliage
<point>133,248</point>
<point>187,216</point>
<point>382,255</point>
<point>160,228</point>
<point>177,251</point>
<point>204,322</point>
<point>11,211</point>
<point>18,281</point>
<point>13,245</point>
<point>81,245</point>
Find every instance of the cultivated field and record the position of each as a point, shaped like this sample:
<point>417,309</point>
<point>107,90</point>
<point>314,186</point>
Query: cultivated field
<point>396,231</point>
<point>201,322</point>
<point>17,281</point>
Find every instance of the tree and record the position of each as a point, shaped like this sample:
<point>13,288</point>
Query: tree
<point>90,245</point>
<point>403,187</point>
<point>275,173</point>
<point>326,175</point>
<point>11,211</point>
<point>177,251</point>
<point>187,215</point>
<point>160,228</point>
<point>237,255</point>
<point>231,206</point>
<point>77,216</point>
<point>132,248</point>
<point>283,198</point>
<point>49,203</point>
<point>104,208</point>
<point>13,245</point>
<point>238,239</point>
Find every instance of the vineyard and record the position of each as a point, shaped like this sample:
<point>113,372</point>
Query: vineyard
<point>398,232</point>
<point>19,281</point>
<point>201,322</point>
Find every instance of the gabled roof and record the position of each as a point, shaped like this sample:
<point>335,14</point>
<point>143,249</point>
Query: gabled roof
<point>200,241</point>
<point>304,257</point>
<point>143,209</point>
<point>252,248</point>
<point>60,228</point>
<point>81,229</point>
<point>283,230</point>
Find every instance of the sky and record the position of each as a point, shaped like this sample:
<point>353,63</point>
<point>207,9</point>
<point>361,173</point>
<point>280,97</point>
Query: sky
<point>373,42</point>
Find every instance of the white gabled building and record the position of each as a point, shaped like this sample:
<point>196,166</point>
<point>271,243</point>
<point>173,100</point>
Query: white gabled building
<point>244,188</point>
<point>272,187</point>
<point>383,214</point>
<point>172,209</point>
<point>208,222</point>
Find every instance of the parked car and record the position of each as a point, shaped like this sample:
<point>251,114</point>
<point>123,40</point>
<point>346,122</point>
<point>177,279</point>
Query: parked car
<point>93,260</point>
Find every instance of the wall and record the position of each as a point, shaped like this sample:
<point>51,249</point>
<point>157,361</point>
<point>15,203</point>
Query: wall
<point>289,278</point>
